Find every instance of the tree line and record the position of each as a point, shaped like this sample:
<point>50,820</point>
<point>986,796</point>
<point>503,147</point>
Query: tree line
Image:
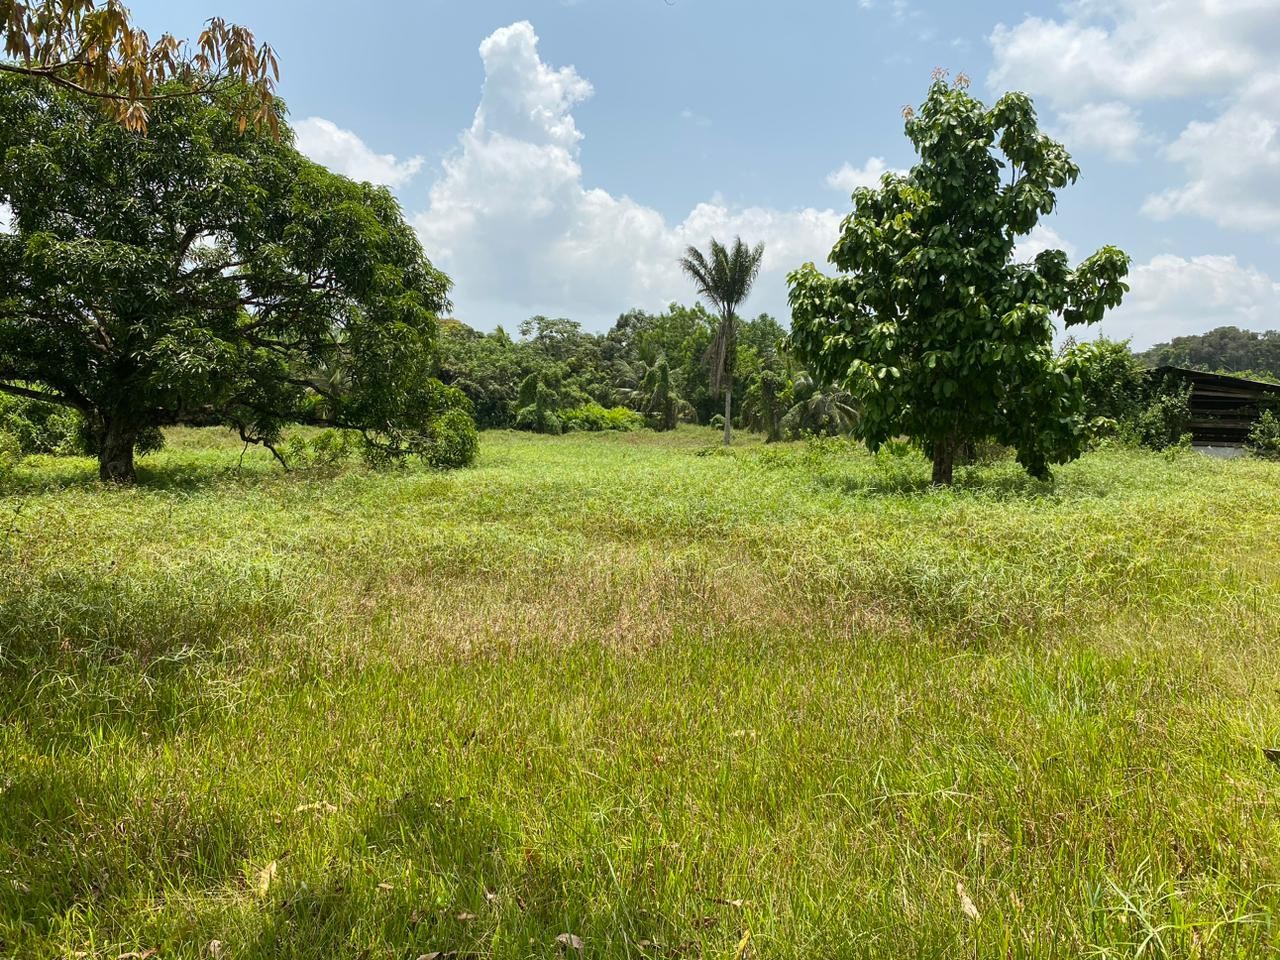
<point>1245,353</point>
<point>649,369</point>
<point>206,273</point>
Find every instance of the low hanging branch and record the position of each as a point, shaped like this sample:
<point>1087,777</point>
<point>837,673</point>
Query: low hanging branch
<point>93,48</point>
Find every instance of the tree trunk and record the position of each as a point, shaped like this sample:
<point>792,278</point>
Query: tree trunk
<point>944,461</point>
<point>728,409</point>
<point>115,452</point>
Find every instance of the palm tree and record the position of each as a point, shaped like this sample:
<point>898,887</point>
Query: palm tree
<point>663,404</point>
<point>819,409</point>
<point>724,279</point>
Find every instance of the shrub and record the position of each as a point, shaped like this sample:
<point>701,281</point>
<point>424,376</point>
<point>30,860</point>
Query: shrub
<point>1264,438</point>
<point>1114,383</point>
<point>454,441</point>
<point>43,427</point>
<point>10,452</point>
<point>593,417</point>
<point>539,420</point>
<point>328,448</point>
<point>538,403</point>
<point>1164,420</point>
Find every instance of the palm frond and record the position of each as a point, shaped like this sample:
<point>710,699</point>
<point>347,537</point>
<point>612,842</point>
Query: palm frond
<point>723,277</point>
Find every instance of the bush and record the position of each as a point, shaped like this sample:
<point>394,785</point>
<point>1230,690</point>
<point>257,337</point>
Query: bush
<point>454,441</point>
<point>43,427</point>
<point>538,419</point>
<point>1164,420</point>
<point>1264,438</point>
<point>1113,381</point>
<point>329,448</point>
<point>538,403</point>
<point>10,452</point>
<point>594,418</point>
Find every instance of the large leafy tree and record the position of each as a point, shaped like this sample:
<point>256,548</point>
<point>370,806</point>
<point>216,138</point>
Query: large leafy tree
<point>724,277</point>
<point>201,275</point>
<point>92,47</point>
<point>936,329</point>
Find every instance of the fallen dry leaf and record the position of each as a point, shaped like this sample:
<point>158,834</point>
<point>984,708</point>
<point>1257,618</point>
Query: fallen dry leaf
<point>266,877</point>
<point>966,904</point>
<point>569,940</point>
<point>385,886</point>
<point>136,955</point>
<point>466,917</point>
<point>215,948</point>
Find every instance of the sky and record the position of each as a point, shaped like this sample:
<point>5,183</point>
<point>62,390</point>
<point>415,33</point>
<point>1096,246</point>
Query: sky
<point>557,156</point>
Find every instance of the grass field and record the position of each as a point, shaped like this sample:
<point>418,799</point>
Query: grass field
<point>642,696</point>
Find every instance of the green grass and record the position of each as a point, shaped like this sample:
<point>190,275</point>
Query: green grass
<point>782,702</point>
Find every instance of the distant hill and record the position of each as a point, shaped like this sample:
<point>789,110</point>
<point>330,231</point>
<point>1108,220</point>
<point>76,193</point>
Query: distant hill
<point>1224,350</point>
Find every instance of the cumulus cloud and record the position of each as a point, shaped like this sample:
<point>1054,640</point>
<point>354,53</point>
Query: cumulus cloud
<point>1112,128</point>
<point>1219,51</point>
<point>345,153</point>
<point>1040,239</point>
<point>1232,162</point>
<point>513,222</point>
<point>1171,296</point>
<point>1136,49</point>
<point>849,178</point>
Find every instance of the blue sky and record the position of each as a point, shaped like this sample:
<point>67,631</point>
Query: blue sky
<point>556,156</point>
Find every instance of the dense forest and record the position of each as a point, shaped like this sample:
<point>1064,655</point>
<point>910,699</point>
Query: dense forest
<point>1221,350</point>
<point>647,369</point>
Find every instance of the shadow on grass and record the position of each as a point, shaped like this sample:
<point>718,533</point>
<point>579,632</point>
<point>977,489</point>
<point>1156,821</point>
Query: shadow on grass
<point>87,654</point>
<point>184,473</point>
<point>67,833</point>
<point>474,882</point>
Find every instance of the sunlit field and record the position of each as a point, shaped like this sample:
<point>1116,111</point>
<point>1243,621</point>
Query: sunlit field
<point>633,696</point>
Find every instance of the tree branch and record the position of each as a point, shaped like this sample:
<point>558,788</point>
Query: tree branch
<point>28,394</point>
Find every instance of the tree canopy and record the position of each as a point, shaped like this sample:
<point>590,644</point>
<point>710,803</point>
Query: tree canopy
<point>1221,350</point>
<point>201,275</point>
<point>93,48</point>
<point>936,329</point>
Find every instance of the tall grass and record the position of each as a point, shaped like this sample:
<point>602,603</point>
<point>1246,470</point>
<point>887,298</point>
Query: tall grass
<point>784,701</point>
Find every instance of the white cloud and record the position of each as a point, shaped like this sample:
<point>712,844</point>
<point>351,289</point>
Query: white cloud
<point>1233,164</point>
<point>1137,49</point>
<point>1221,52</point>
<point>1040,239</point>
<point>1112,128</point>
<point>345,153</point>
<point>6,218</point>
<point>513,223</point>
<point>1171,296</point>
<point>849,178</point>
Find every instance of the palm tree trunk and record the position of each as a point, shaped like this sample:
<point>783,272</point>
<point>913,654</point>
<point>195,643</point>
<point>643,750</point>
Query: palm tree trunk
<point>728,409</point>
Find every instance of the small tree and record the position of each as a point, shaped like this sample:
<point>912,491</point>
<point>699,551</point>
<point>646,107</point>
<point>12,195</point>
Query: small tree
<point>724,279</point>
<point>936,331</point>
<point>660,397</point>
<point>764,404</point>
<point>818,409</point>
<point>201,275</point>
